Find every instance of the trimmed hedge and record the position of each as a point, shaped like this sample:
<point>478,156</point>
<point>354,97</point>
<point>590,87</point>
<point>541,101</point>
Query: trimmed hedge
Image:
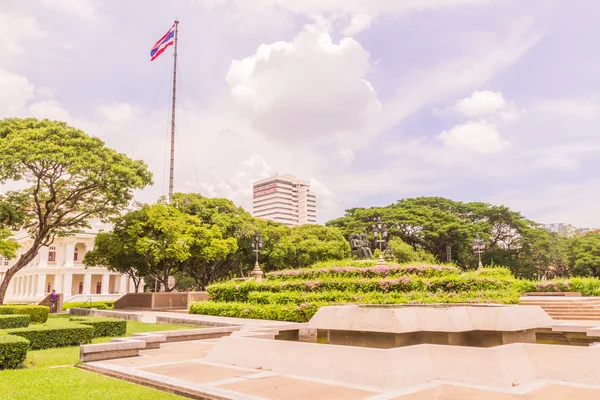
<point>337,297</point>
<point>38,314</point>
<point>279,312</point>
<point>428,271</point>
<point>45,337</point>
<point>14,321</point>
<point>235,291</point>
<point>13,350</point>
<point>100,305</point>
<point>104,327</point>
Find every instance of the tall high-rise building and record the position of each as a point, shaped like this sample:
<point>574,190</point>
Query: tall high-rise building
<point>284,199</point>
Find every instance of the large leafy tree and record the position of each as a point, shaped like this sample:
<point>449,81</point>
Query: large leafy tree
<point>585,256</point>
<point>223,229</point>
<point>437,225</point>
<point>115,251</point>
<point>69,176</point>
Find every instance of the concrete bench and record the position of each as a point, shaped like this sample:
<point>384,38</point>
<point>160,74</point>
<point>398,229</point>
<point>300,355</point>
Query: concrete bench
<point>152,340</point>
<point>194,334</point>
<point>107,351</point>
<point>555,294</point>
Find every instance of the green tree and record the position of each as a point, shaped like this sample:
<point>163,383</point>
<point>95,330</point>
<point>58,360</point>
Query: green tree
<point>114,250</point>
<point>405,253</point>
<point>308,244</point>
<point>70,177</point>
<point>223,229</point>
<point>585,256</point>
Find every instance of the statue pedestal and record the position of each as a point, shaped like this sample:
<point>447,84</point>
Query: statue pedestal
<point>256,273</point>
<point>381,261</point>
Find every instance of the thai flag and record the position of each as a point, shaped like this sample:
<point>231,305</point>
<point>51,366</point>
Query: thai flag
<point>163,43</point>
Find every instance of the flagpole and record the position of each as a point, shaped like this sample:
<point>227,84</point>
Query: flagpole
<point>172,164</point>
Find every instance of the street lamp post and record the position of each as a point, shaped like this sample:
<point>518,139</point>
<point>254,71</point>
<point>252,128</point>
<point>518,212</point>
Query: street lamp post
<point>257,244</point>
<point>478,248</point>
<point>379,229</point>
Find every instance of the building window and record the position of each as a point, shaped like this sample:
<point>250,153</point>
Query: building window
<point>4,261</point>
<point>99,288</point>
<point>52,256</point>
<point>75,255</point>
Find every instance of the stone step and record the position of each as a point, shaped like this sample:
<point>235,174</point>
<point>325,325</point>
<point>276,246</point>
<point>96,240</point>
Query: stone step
<point>555,308</point>
<point>563,312</point>
<point>538,301</point>
<point>576,318</point>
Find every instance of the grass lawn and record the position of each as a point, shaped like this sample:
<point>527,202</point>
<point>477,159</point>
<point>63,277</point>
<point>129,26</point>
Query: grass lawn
<point>71,383</point>
<point>37,381</point>
<point>70,355</point>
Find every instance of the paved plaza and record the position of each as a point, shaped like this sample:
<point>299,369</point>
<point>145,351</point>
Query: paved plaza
<point>182,364</point>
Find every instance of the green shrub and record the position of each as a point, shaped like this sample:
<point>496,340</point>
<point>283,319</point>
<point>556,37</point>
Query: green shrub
<point>13,350</point>
<point>46,337</point>
<point>104,327</point>
<point>376,271</point>
<point>279,312</point>
<point>100,305</point>
<point>416,297</point>
<point>14,321</point>
<point>38,314</point>
<point>234,291</point>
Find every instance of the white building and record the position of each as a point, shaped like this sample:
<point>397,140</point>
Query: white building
<point>60,267</point>
<point>284,199</point>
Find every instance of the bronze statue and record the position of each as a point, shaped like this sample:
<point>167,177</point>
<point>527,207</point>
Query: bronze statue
<point>359,243</point>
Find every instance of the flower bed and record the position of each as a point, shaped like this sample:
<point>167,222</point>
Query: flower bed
<point>235,291</point>
<point>428,271</point>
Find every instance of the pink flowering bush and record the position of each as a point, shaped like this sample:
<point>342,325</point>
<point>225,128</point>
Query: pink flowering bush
<point>364,272</point>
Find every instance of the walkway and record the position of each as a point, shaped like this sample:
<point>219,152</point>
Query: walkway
<point>181,365</point>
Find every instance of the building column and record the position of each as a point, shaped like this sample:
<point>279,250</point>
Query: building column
<point>17,286</point>
<point>69,254</point>
<point>57,285</point>
<point>27,291</point>
<point>105,282</point>
<point>43,253</point>
<point>87,283</point>
<point>131,286</point>
<point>67,285</point>
<point>123,284</point>
<point>41,285</point>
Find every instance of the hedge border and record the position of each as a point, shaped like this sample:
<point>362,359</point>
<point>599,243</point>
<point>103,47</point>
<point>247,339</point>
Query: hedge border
<point>11,321</point>
<point>13,351</point>
<point>38,314</point>
<point>103,327</point>
<point>47,337</point>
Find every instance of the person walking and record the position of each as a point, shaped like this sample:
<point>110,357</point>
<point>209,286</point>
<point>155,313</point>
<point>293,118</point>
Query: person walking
<point>53,299</point>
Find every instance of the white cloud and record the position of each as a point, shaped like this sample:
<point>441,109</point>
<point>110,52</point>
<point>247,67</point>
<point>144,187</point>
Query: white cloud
<point>16,91</point>
<point>477,137</point>
<point>559,202</point>
<point>307,89</point>
<point>117,112</point>
<point>481,103</point>
<point>352,15</point>
<point>583,109</point>
<point>50,109</point>
<point>15,29</point>
<point>423,87</point>
<point>81,8</point>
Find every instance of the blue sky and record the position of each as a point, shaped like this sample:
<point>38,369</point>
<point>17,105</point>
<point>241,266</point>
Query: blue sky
<point>476,100</point>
